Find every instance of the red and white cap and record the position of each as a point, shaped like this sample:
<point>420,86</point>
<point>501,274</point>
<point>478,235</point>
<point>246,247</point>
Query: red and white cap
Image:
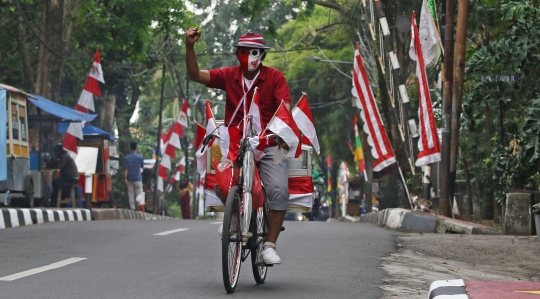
<point>251,39</point>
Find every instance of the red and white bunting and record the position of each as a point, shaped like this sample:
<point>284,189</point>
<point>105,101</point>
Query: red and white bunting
<point>255,112</point>
<point>428,143</point>
<point>180,168</point>
<point>184,114</point>
<point>373,125</point>
<point>91,88</point>
<point>304,120</point>
<point>284,126</point>
<point>173,140</point>
<point>73,132</point>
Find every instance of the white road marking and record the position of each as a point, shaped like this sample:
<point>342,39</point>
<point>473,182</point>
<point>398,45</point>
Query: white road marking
<point>171,232</point>
<point>42,269</point>
<point>216,222</point>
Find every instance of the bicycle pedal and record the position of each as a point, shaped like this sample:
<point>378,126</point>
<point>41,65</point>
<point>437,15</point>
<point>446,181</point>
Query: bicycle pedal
<point>282,228</point>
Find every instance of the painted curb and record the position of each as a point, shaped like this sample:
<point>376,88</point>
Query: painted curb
<point>424,222</point>
<point>10,218</point>
<point>124,214</point>
<point>448,289</point>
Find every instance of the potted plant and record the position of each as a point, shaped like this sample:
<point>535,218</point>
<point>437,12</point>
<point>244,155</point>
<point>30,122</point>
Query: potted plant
<point>536,214</point>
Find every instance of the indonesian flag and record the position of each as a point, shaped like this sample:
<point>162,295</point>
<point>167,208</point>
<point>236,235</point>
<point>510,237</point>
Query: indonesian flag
<point>358,154</point>
<point>229,142</point>
<point>74,131</point>
<point>301,191</point>
<point>255,112</point>
<point>86,102</point>
<point>304,120</point>
<point>91,88</point>
<point>428,143</point>
<point>184,114</point>
<point>210,122</point>
<point>373,125</point>
<point>284,126</point>
<point>201,157</point>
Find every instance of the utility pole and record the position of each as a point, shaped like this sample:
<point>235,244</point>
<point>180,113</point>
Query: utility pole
<point>158,138</point>
<point>444,203</point>
<point>459,69</point>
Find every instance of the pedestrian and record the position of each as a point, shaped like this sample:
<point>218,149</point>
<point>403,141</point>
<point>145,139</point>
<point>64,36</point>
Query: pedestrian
<point>133,164</point>
<point>185,187</point>
<point>68,170</point>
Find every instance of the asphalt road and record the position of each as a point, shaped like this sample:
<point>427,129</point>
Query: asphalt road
<point>125,259</point>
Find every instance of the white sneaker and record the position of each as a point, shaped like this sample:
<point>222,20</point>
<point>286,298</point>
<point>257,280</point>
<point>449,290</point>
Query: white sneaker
<point>270,256</point>
<point>220,229</point>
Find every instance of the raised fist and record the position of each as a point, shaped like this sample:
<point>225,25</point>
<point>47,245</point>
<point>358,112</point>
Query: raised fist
<point>192,36</point>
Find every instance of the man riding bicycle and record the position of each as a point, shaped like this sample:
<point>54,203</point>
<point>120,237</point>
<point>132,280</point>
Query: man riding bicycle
<point>239,83</point>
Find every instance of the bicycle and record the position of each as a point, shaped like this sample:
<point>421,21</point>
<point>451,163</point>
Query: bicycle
<point>243,235</point>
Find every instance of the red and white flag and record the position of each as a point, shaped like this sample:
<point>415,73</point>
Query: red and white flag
<point>304,120</point>
<point>74,131</point>
<point>284,126</point>
<point>373,125</point>
<point>91,88</point>
<point>85,103</point>
<point>428,143</point>
<point>258,143</point>
<point>184,114</point>
<point>180,168</point>
<point>255,112</point>
<point>229,142</point>
<point>173,140</point>
<point>210,122</point>
<point>201,156</point>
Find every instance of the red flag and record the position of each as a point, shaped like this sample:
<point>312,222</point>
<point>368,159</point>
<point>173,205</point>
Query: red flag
<point>373,125</point>
<point>428,143</point>
<point>304,119</point>
<point>284,126</point>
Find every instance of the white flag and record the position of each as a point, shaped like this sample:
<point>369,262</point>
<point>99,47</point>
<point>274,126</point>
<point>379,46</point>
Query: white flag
<point>429,38</point>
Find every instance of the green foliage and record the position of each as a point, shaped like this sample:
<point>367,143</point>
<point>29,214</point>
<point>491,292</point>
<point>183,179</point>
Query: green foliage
<point>514,166</point>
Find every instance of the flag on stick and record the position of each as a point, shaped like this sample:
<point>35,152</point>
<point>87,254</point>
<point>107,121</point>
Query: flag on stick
<point>428,143</point>
<point>304,120</point>
<point>255,112</point>
<point>201,157</point>
<point>373,125</point>
<point>284,126</point>
<point>184,114</point>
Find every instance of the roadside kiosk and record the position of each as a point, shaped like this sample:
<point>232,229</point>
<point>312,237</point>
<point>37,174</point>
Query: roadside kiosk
<point>30,134</point>
<point>93,157</point>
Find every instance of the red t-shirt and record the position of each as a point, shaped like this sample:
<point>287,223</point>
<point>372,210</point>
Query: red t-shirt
<point>272,88</point>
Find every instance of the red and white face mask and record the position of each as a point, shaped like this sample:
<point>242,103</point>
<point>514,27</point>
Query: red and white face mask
<point>250,59</point>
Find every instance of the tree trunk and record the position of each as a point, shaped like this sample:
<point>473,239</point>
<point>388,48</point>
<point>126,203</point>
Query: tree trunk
<point>106,112</point>
<point>57,23</point>
<point>467,202</point>
<point>25,60</point>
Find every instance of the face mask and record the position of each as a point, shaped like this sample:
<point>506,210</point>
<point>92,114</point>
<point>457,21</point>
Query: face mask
<point>250,59</point>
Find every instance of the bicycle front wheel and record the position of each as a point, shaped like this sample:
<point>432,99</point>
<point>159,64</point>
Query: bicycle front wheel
<point>259,231</point>
<point>231,240</point>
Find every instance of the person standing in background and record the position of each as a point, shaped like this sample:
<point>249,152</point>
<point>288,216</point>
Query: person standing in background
<point>185,187</point>
<point>133,164</point>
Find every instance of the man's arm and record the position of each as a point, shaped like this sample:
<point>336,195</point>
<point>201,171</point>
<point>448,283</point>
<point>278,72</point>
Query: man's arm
<point>125,175</point>
<point>195,74</point>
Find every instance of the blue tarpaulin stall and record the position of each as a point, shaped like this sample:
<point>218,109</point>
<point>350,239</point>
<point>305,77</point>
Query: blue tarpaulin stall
<point>87,130</point>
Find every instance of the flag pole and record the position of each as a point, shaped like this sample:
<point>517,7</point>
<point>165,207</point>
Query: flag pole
<point>303,94</point>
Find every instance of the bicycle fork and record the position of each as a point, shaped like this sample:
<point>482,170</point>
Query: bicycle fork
<point>248,169</point>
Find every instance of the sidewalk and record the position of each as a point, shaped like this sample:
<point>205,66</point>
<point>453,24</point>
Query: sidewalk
<point>420,221</point>
<point>475,289</point>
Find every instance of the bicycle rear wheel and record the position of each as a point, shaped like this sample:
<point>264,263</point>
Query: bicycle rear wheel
<point>231,240</point>
<point>259,230</point>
